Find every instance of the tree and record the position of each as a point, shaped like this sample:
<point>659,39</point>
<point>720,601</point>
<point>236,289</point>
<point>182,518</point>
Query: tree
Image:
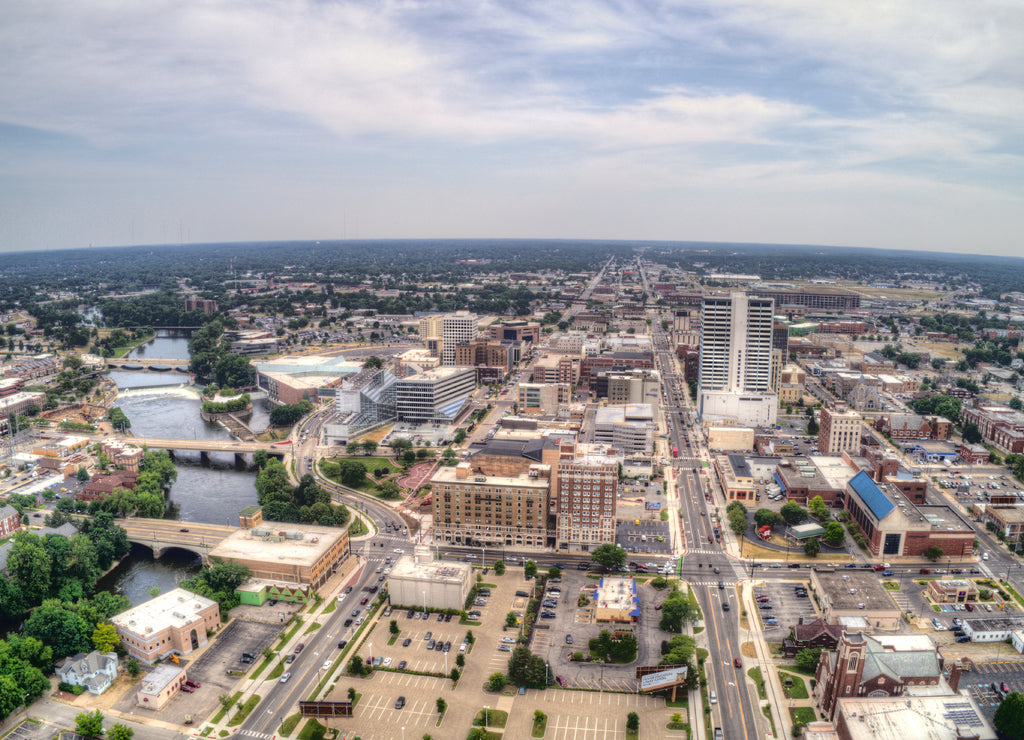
<point>454,675</point>
<point>29,567</point>
<point>554,572</point>
<point>105,638</point>
<point>767,518</point>
<point>82,475</point>
<point>971,435</point>
<point>442,705</point>
<point>675,612</point>
<point>807,659</point>
<point>819,509</point>
<point>834,534</point>
<point>394,627</point>
<point>56,625</point>
<point>499,568</point>
<point>793,513</point>
<point>389,490</point>
<point>351,693</point>
<point>609,556</point>
<point>133,667</point>
<point>460,660</point>
<point>933,553</point>
<point>356,666</point>
<point>120,732</point>
<point>525,668</point>
<point>89,724</point>
<point>530,569</point>
<point>737,519</point>
<point>539,717</point>
<point>369,447</point>
<point>633,722</point>
<point>1009,718</point>
<point>812,547</point>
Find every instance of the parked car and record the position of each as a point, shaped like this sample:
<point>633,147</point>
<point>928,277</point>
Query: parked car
<point>400,702</point>
<point>401,665</point>
<point>561,681</point>
<point>406,642</point>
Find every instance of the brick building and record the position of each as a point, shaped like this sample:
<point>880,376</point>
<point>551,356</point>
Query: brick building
<point>875,665</point>
<point>173,623</point>
<point>998,424</point>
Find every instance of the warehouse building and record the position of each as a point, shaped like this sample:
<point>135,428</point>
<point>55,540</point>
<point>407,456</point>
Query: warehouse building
<point>419,580</point>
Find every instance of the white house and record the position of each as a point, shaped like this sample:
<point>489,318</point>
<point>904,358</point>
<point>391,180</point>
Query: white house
<point>95,671</point>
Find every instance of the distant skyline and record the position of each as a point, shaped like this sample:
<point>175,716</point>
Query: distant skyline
<point>873,124</point>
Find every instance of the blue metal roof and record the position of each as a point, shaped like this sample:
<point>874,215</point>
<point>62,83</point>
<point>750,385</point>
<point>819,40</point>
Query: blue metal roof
<point>871,495</point>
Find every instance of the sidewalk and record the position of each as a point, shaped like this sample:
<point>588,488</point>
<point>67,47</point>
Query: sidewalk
<point>773,687</point>
<point>250,686</point>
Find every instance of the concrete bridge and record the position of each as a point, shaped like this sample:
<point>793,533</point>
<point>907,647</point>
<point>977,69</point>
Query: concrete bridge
<point>151,363</point>
<point>205,446</point>
<point>161,535</point>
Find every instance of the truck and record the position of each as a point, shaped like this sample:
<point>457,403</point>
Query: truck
<point>675,451</point>
<point>765,532</point>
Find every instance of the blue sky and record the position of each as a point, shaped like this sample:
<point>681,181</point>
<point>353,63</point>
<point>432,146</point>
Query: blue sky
<point>887,124</point>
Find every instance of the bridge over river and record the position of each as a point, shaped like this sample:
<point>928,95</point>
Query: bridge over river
<point>161,535</point>
<point>148,363</point>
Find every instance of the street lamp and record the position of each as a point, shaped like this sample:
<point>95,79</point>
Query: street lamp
<point>486,709</point>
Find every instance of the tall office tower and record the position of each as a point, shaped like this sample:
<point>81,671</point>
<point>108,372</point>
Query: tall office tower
<point>780,353</point>
<point>583,499</point>
<point>456,328</point>
<point>734,382</point>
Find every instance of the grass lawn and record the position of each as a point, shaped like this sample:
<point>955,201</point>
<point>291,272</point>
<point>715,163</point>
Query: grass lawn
<point>802,715</point>
<point>288,726</point>
<point>330,607</point>
<point>371,463</point>
<point>312,628</point>
<point>357,528</point>
<point>539,728</point>
<point>262,666</point>
<point>278,670</point>
<point>495,718</point>
<point>312,729</point>
<point>755,674</point>
<point>798,690</point>
<point>290,633</point>
<point>244,712</point>
<point>223,710</point>
<point>766,710</point>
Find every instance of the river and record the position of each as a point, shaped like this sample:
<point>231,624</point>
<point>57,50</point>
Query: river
<point>164,405</point>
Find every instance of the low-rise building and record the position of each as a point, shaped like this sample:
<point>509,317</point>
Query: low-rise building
<point>159,686</point>
<point>730,438</point>
<point>952,590</point>
<point>257,592</point>
<point>10,520</point>
<point>1008,520</point>
<point>992,629</point>
<point>123,454</point>
<point>628,428</point>
<point>419,580</point>
<point>894,525</point>
<point>854,598</point>
<point>544,399</point>
<point>814,635</point>
<point>947,716</point>
<point>972,454</point>
<point>615,600</point>
<point>95,671</point>
<point>173,623</point>
<point>1000,425</point>
<point>864,665</point>
<point>286,553</point>
<point>101,486</point>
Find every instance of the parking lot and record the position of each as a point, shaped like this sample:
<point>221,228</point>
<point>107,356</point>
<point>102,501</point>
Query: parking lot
<point>549,640</point>
<point>210,670</point>
<point>416,630</point>
<point>640,536</point>
<point>786,607</point>
<point>979,682</point>
<point>32,731</point>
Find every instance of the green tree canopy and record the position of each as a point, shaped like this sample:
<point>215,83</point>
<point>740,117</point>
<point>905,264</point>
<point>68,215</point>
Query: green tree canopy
<point>609,556</point>
<point>793,513</point>
<point>1009,717</point>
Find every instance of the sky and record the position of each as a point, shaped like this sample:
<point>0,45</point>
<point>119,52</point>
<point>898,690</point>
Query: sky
<point>896,124</point>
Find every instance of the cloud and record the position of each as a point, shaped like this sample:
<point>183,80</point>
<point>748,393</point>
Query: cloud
<point>787,98</point>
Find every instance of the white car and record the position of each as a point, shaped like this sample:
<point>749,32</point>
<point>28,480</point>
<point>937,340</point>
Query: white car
<point>387,662</point>
<point>508,640</point>
<point>327,665</point>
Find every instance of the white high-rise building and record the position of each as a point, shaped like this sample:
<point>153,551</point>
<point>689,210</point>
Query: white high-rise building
<point>457,328</point>
<point>734,382</point>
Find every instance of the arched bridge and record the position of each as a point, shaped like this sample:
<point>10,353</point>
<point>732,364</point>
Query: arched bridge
<point>161,535</point>
<point>206,446</point>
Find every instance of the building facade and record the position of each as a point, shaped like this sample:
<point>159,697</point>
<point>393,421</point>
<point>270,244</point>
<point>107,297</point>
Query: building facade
<point>173,623</point>
<point>456,328</point>
<point>584,500</point>
<point>839,430</point>
<point>434,396</point>
<point>734,379</point>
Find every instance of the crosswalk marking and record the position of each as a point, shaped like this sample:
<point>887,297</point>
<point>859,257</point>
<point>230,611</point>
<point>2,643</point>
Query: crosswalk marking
<point>253,733</point>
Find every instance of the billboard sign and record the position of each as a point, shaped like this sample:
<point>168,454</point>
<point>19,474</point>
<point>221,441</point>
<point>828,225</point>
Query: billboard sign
<point>662,679</point>
<point>325,708</point>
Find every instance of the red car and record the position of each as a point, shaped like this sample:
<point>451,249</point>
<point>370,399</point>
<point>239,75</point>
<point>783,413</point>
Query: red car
<point>363,602</point>
<point>298,648</point>
<point>193,684</point>
<point>561,681</point>
<point>187,689</point>
<point>658,607</point>
<point>738,663</point>
<point>877,567</point>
